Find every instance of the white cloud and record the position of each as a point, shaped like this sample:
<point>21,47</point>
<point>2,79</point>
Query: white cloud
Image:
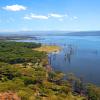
<point>34,16</point>
<point>14,7</point>
<point>57,15</point>
<point>27,17</point>
<point>74,18</point>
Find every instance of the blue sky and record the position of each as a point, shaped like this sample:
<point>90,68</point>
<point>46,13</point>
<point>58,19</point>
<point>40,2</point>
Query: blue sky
<point>69,15</point>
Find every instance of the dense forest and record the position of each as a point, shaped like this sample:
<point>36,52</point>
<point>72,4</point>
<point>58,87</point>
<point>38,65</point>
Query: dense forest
<point>27,74</point>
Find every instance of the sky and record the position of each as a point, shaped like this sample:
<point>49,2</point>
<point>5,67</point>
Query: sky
<point>44,15</point>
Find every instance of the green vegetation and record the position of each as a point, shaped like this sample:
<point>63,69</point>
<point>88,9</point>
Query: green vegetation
<point>33,83</point>
<point>93,92</point>
<point>23,71</point>
<point>14,52</point>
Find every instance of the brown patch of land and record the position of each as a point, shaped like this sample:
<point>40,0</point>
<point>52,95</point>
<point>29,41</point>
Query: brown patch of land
<point>48,49</point>
<point>9,96</point>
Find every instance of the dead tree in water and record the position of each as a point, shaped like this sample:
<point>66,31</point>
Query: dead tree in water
<point>68,53</point>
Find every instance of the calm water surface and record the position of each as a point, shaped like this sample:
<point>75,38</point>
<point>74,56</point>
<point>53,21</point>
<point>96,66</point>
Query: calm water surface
<point>79,55</point>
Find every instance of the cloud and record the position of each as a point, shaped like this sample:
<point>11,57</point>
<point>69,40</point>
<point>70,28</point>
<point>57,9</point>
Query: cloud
<point>14,7</point>
<point>74,18</point>
<point>54,15</point>
<point>34,16</point>
<point>59,17</point>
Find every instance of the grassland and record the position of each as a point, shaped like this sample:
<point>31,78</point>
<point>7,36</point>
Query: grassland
<point>48,48</point>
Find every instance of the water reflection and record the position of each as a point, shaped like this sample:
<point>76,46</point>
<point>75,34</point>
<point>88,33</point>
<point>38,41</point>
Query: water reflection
<point>68,51</point>
<point>95,52</point>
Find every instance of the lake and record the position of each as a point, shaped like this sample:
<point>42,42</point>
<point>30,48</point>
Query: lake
<point>79,55</point>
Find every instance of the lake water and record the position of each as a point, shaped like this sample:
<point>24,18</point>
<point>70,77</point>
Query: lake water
<point>79,55</point>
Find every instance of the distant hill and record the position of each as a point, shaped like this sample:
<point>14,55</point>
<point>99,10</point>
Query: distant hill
<point>84,33</point>
<point>51,33</point>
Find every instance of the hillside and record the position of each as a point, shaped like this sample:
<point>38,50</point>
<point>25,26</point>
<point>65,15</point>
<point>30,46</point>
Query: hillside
<point>25,75</point>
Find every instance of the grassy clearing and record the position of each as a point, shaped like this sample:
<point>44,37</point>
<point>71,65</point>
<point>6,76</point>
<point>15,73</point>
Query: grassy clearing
<point>48,49</point>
